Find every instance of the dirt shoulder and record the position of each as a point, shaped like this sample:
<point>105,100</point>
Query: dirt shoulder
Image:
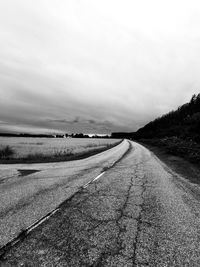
<point>178,164</point>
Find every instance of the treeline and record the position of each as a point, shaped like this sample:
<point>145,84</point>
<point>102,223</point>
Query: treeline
<point>182,123</point>
<point>81,135</point>
<point>25,135</point>
<point>122,135</point>
<point>73,135</point>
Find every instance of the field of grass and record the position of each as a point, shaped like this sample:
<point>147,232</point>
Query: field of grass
<point>23,149</point>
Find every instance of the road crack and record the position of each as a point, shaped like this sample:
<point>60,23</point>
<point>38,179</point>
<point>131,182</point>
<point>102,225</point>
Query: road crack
<point>139,223</point>
<point>122,229</point>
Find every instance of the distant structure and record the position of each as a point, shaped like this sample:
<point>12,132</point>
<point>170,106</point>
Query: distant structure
<point>60,135</point>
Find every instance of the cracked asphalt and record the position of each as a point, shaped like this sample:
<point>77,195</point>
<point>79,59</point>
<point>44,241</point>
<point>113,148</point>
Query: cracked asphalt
<point>139,213</point>
<point>27,198</point>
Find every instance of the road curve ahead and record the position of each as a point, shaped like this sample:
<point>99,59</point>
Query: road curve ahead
<point>138,213</point>
<point>31,191</point>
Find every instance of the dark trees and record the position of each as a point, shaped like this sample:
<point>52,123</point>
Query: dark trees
<point>183,122</point>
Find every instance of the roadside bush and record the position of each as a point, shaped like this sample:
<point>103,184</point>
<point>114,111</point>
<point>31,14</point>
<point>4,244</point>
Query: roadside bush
<point>6,152</point>
<point>176,146</point>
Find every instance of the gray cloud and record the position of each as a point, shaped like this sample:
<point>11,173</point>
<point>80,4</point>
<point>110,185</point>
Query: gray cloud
<point>95,66</point>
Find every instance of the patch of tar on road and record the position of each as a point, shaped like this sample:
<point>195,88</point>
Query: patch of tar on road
<point>25,172</point>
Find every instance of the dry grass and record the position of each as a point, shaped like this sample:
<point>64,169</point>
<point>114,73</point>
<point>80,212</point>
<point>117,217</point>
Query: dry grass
<point>6,152</point>
<point>53,150</point>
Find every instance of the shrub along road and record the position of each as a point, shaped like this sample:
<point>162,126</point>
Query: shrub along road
<point>138,213</point>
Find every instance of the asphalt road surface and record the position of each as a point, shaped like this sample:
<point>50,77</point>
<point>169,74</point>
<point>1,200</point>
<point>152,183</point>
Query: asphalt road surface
<point>136,213</point>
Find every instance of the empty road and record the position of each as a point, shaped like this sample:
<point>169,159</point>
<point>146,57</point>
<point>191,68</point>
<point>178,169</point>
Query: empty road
<point>123,207</point>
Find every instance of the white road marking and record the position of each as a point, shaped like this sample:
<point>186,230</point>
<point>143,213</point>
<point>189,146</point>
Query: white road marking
<point>40,222</point>
<point>36,224</point>
<point>85,185</point>
<point>47,217</point>
<point>96,178</point>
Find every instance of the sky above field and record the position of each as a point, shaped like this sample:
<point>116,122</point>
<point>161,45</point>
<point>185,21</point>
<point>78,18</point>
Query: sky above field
<point>95,66</point>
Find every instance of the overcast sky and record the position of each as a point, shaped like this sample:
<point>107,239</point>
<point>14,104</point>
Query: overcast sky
<point>95,66</point>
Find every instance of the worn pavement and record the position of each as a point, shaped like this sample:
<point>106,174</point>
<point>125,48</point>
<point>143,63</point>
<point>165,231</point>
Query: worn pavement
<point>138,213</point>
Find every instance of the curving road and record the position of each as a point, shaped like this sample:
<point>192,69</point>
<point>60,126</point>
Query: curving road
<point>30,191</point>
<point>137,213</point>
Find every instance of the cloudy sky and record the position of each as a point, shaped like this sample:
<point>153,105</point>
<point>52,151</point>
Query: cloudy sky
<point>95,66</point>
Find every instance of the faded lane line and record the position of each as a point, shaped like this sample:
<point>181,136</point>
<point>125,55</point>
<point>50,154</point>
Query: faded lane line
<point>98,176</point>
<point>33,226</point>
<point>86,185</point>
<point>109,167</point>
<point>26,231</point>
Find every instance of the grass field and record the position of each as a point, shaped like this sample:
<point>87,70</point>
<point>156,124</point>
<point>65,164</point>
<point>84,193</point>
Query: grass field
<point>50,149</point>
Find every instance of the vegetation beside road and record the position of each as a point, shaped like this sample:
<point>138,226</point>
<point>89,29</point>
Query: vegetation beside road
<point>183,123</point>
<point>6,152</point>
<point>186,149</point>
<point>7,155</point>
<point>177,132</point>
<point>178,164</point>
